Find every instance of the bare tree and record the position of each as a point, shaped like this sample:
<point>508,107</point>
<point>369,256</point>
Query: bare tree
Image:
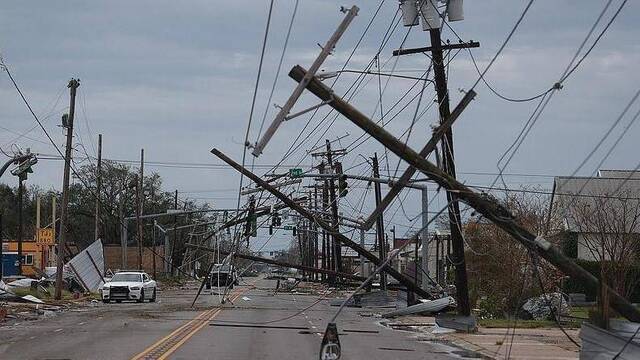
<point>608,230</point>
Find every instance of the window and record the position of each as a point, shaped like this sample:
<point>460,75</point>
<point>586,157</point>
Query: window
<point>27,259</point>
<point>126,277</point>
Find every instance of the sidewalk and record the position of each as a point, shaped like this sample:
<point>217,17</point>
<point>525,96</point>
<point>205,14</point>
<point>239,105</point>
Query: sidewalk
<point>496,343</point>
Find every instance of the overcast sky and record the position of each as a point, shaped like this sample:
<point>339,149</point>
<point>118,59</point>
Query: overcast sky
<point>177,79</point>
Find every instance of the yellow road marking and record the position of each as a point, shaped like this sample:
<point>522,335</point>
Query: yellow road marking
<point>164,347</point>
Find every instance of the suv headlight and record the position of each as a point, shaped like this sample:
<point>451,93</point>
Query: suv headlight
<point>105,287</point>
<point>134,288</point>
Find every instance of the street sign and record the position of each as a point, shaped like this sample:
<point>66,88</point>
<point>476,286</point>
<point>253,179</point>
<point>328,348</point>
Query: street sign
<point>297,172</point>
<point>288,227</point>
<point>45,237</point>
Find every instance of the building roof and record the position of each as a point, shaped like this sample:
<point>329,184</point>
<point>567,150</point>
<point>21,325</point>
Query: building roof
<point>613,196</point>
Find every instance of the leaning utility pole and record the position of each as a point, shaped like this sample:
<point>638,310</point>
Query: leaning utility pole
<point>379,222</point>
<point>402,279</point>
<point>482,203</point>
<point>98,188</point>
<point>67,122</point>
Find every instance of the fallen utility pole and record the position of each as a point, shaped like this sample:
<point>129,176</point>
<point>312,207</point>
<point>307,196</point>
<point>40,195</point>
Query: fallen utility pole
<point>64,213</point>
<point>402,279</point>
<point>482,203</point>
<point>279,263</point>
<point>286,108</point>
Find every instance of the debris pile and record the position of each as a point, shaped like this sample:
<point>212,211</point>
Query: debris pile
<point>545,306</point>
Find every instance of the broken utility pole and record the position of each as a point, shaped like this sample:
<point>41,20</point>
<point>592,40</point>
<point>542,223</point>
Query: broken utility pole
<point>402,279</point>
<point>482,203</point>
<point>67,122</point>
<point>286,108</point>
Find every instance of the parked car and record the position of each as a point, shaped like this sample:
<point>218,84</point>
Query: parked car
<point>222,275</point>
<point>129,285</point>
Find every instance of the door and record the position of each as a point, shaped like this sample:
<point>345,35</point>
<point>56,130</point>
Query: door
<point>146,284</point>
<point>9,264</point>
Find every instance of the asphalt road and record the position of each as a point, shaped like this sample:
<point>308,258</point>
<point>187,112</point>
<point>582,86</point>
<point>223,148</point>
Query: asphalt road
<point>258,325</point>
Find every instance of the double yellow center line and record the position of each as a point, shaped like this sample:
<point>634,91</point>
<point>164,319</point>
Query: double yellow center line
<point>170,343</point>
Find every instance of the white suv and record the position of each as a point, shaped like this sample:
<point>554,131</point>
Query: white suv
<point>129,285</point>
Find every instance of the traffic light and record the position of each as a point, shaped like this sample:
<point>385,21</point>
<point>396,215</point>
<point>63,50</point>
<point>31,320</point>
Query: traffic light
<point>271,230</point>
<point>294,231</point>
<point>342,180</point>
<point>24,167</point>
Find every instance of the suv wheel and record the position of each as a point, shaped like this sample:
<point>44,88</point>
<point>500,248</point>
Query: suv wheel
<point>141,296</point>
<point>153,297</point>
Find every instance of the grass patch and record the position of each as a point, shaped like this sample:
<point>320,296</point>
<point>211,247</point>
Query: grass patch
<point>527,324</point>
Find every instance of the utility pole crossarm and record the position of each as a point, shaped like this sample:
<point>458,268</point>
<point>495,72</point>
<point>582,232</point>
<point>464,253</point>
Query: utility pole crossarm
<point>482,203</point>
<point>404,280</point>
<point>463,45</point>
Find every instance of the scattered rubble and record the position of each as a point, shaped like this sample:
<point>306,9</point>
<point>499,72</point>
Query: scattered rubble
<point>542,307</point>
<point>428,307</point>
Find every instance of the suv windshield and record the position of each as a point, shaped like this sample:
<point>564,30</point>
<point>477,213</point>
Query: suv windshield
<point>127,277</point>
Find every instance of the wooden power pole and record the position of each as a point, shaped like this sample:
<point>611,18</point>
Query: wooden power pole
<point>139,196</point>
<point>337,248</point>
<point>20,225</point>
<point>67,122</point>
<point>379,222</point>
<point>455,227</point>
<point>98,188</point>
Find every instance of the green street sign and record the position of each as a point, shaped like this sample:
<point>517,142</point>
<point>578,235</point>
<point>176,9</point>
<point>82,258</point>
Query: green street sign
<point>295,172</point>
<point>288,227</point>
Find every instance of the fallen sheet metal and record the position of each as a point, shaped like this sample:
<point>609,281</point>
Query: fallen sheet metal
<point>33,299</point>
<point>426,307</point>
<point>88,266</point>
<point>21,283</point>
